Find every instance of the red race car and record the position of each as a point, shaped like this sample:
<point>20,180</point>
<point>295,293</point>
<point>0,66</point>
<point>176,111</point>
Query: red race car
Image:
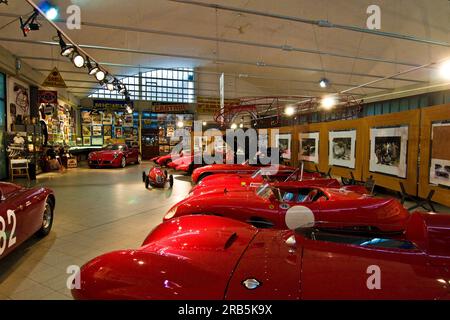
<point>212,258</point>
<point>245,168</point>
<point>289,204</point>
<point>23,213</point>
<point>114,155</point>
<point>157,178</point>
<point>260,177</point>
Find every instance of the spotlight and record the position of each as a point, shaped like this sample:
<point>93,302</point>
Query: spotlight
<point>100,75</point>
<point>324,83</point>
<point>110,86</point>
<point>205,123</point>
<point>78,60</point>
<point>30,24</point>
<point>241,126</point>
<point>289,111</point>
<point>180,124</point>
<point>328,102</point>
<point>66,49</point>
<point>234,126</point>
<point>444,70</point>
<point>121,88</point>
<point>50,11</point>
<point>93,69</point>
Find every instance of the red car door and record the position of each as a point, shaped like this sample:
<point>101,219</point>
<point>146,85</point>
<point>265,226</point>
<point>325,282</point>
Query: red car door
<point>20,218</point>
<point>351,267</point>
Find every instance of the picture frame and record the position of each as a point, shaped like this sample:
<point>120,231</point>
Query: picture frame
<point>284,143</point>
<point>309,146</point>
<point>342,148</point>
<point>440,154</point>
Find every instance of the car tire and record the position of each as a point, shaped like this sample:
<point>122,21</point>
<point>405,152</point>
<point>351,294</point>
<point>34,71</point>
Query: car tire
<point>144,175</point>
<point>171,181</point>
<point>123,162</point>
<point>147,182</point>
<point>47,220</point>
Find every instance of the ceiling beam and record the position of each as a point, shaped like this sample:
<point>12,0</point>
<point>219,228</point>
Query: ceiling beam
<point>319,23</point>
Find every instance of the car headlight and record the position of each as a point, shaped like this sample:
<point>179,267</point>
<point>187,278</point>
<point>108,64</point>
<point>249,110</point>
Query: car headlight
<point>172,212</point>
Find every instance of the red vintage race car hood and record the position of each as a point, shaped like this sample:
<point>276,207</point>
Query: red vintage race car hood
<point>8,188</point>
<point>184,259</point>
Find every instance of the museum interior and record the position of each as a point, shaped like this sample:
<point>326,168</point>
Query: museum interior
<point>224,150</point>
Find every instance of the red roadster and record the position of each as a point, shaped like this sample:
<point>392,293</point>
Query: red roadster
<point>212,258</point>
<point>115,155</point>
<point>23,213</point>
<point>289,204</point>
<point>245,168</point>
<point>260,177</point>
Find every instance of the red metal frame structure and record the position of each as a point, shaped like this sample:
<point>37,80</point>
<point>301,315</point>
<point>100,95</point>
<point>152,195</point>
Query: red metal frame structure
<point>273,107</point>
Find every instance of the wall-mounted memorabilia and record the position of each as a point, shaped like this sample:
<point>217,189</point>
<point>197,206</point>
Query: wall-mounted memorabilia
<point>96,119</point>
<point>128,120</point>
<point>440,154</point>
<point>96,131</point>
<point>108,118</point>
<point>107,131</point>
<point>389,150</point>
<point>309,147</point>
<point>118,133</point>
<point>284,143</point>
<point>86,131</point>
<point>86,141</point>
<point>107,139</point>
<point>342,146</point>
<point>86,117</point>
<point>98,141</point>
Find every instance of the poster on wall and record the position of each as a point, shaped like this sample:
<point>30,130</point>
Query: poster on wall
<point>107,131</point>
<point>86,131</point>
<point>342,146</point>
<point>97,131</point>
<point>86,117</point>
<point>309,147</point>
<point>108,118</point>
<point>119,133</point>
<point>284,143</point>
<point>389,150</point>
<point>440,154</point>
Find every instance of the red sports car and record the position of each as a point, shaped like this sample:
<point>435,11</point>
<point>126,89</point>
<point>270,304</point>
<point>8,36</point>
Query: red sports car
<point>212,258</point>
<point>23,213</point>
<point>115,155</point>
<point>245,168</point>
<point>289,205</point>
<point>260,177</point>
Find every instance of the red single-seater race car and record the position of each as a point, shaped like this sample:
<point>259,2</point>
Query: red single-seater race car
<point>212,258</point>
<point>115,155</point>
<point>23,213</point>
<point>245,168</point>
<point>289,204</point>
<point>157,178</point>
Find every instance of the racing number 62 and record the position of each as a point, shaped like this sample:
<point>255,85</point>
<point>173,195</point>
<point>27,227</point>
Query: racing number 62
<point>4,241</point>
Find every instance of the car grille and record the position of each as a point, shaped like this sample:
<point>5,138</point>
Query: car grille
<point>159,179</point>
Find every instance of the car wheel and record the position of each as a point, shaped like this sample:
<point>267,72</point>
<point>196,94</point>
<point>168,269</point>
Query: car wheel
<point>123,163</point>
<point>144,175</point>
<point>47,220</point>
<point>203,176</point>
<point>171,181</point>
<point>147,182</point>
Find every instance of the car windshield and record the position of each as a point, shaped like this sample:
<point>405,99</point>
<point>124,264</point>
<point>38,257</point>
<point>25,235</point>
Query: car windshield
<point>114,147</point>
<point>265,191</point>
<point>356,240</point>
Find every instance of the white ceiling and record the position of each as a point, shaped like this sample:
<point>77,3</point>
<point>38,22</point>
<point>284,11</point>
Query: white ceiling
<point>426,19</point>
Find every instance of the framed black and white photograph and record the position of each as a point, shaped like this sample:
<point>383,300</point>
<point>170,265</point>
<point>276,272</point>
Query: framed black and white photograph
<point>342,146</point>
<point>389,150</point>
<point>309,147</point>
<point>284,143</point>
<point>440,154</point>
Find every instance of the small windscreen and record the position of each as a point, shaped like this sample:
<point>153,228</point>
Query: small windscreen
<point>360,241</point>
<point>114,147</point>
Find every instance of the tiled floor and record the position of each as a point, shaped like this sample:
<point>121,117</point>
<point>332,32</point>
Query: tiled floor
<point>97,211</point>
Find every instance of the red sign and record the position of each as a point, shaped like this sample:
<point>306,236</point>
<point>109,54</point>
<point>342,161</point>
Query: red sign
<point>48,97</point>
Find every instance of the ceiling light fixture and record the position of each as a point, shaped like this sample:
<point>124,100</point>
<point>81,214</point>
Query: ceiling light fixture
<point>180,124</point>
<point>324,83</point>
<point>234,126</point>
<point>66,49</point>
<point>328,102</point>
<point>78,60</point>
<point>289,111</point>
<point>100,75</point>
<point>444,70</point>
<point>92,68</point>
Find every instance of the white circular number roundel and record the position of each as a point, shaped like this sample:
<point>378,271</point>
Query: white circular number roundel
<point>299,217</point>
